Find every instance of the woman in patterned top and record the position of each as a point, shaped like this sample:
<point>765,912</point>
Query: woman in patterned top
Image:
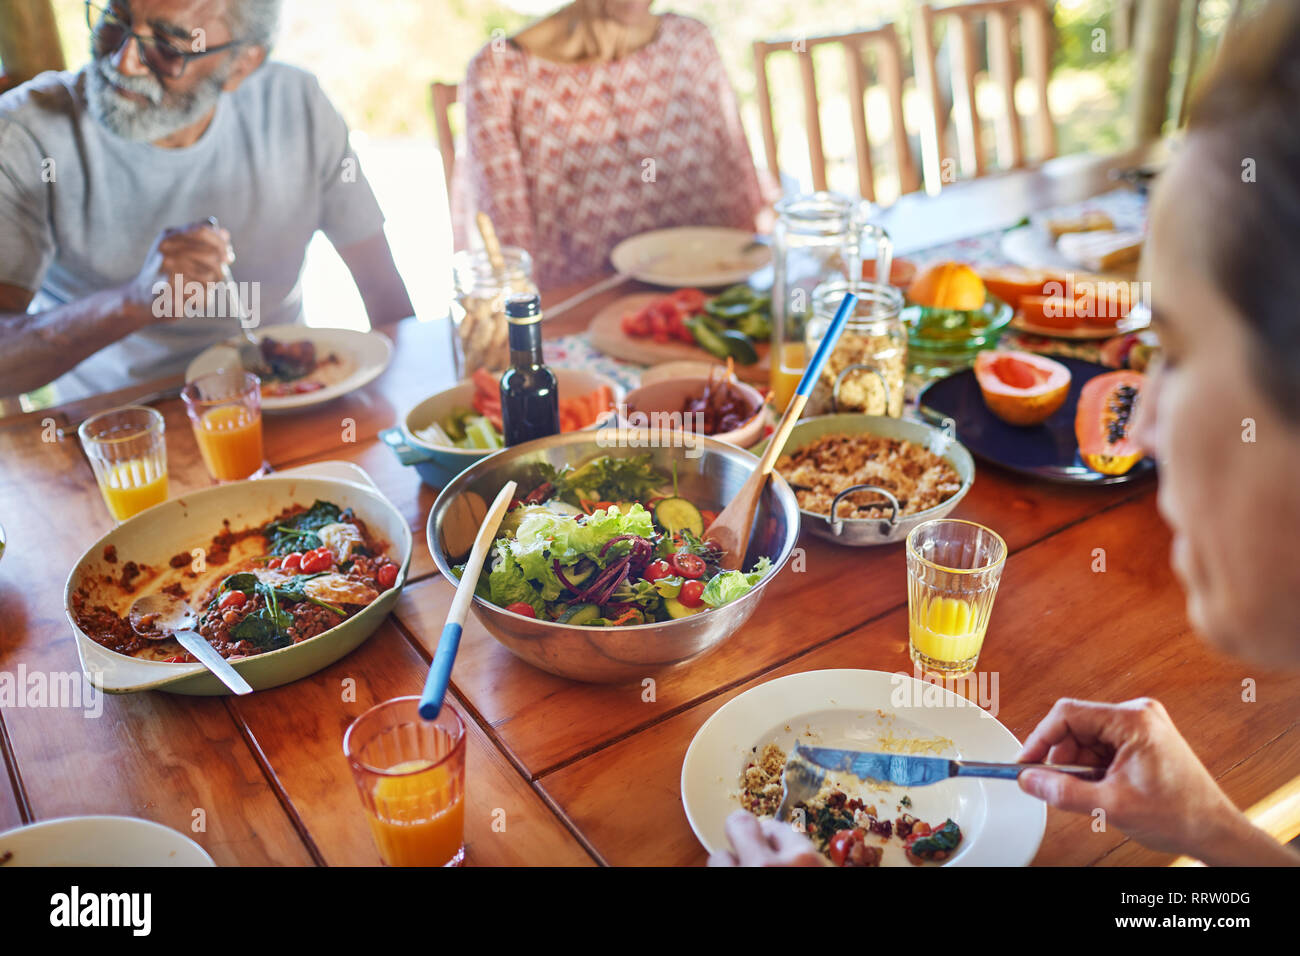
<point>597,123</point>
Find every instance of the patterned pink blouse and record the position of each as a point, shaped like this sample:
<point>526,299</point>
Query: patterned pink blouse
<point>568,160</point>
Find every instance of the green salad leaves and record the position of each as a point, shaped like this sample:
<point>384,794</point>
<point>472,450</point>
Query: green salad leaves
<point>607,479</point>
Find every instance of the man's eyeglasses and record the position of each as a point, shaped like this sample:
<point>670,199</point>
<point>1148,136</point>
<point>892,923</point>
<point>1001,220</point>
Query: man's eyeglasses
<point>162,56</point>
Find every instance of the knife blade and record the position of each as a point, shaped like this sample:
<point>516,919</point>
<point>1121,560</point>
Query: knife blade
<point>906,771</point>
<point>910,771</point>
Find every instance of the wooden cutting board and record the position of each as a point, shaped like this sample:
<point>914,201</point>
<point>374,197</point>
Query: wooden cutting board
<point>607,335</point>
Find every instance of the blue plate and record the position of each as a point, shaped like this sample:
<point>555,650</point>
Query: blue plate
<point>1047,451</point>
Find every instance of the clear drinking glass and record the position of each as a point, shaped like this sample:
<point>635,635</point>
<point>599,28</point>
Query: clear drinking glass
<point>225,409</point>
<point>410,773</point>
<point>128,453</point>
<point>865,372</point>
<point>817,237</point>
<point>953,569</point>
<point>481,339</point>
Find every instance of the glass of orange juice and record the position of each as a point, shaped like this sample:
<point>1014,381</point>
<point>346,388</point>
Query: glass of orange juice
<point>953,570</point>
<point>410,773</point>
<point>128,453</point>
<point>225,409</point>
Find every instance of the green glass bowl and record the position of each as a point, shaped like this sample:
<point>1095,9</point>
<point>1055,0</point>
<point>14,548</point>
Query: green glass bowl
<point>943,341</point>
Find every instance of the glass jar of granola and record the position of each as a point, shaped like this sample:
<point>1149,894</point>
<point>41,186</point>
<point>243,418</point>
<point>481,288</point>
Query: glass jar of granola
<point>481,339</point>
<point>866,370</point>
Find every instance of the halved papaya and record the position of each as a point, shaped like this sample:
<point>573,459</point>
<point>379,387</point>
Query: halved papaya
<point>1021,388</point>
<point>1103,423</point>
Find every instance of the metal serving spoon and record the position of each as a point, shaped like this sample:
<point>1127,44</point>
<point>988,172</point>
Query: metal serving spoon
<point>159,616</point>
<point>249,348</point>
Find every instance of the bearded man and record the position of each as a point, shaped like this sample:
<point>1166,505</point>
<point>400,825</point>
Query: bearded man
<point>145,171</point>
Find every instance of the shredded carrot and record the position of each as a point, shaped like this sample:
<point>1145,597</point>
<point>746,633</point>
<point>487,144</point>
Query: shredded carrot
<point>626,615</point>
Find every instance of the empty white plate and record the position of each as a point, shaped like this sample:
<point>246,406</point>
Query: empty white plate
<point>706,256</point>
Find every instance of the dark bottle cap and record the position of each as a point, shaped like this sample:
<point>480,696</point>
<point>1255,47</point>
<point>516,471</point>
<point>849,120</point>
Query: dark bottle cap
<point>524,308</point>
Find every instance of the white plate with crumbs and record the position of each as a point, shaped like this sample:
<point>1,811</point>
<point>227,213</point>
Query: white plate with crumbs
<point>873,711</point>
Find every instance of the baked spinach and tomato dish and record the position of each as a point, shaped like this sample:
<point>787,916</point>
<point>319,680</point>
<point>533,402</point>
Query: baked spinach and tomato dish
<point>255,590</point>
<point>609,544</point>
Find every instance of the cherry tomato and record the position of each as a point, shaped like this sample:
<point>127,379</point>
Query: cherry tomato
<point>689,596</point>
<point>274,562</point>
<point>318,560</point>
<point>687,565</point>
<point>519,607</point>
<point>840,845</point>
<point>387,575</point>
<point>231,599</point>
<point>656,570</point>
<point>292,562</point>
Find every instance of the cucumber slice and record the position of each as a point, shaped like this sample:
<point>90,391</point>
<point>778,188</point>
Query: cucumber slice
<point>580,572</point>
<point>674,514</point>
<point>740,347</point>
<point>676,608</point>
<point>579,615</point>
<point>708,339</point>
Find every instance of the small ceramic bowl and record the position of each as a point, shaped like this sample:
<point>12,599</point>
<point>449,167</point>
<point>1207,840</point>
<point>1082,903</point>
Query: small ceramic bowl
<point>669,397</point>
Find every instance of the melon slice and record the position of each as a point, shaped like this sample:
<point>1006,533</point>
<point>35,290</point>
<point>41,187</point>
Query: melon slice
<point>1021,388</point>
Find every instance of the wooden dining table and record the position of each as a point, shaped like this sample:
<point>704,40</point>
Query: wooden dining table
<point>567,773</point>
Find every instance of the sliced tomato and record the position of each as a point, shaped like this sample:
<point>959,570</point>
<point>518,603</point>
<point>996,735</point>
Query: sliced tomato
<point>386,576</point>
<point>519,607</point>
<point>292,562</point>
<point>840,845</point>
<point>318,560</point>
<point>687,565</point>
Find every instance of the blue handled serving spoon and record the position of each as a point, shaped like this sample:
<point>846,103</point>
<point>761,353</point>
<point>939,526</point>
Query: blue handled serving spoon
<point>435,686</point>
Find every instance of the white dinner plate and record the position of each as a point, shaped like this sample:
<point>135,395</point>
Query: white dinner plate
<point>707,256</point>
<point>854,709</point>
<point>100,841</point>
<point>365,354</point>
<point>1032,247</point>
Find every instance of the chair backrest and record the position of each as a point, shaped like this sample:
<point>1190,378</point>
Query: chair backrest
<point>445,95</point>
<point>889,68</point>
<point>1001,18</point>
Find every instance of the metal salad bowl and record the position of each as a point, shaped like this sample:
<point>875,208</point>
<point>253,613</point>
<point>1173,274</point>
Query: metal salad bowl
<point>864,532</point>
<point>709,474</point>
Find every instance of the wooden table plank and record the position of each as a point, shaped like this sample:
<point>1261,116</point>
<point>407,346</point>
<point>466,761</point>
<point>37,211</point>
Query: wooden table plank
<point>1052,635</point>
<point>10,813</point>
<point>545,720</point>
<point>299,731</point>
<point>156,756</point>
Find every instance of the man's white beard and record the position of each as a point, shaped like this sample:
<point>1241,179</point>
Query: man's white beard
<point>163,114</point>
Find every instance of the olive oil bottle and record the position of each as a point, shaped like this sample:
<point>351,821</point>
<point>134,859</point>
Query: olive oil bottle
<point>530,401</point>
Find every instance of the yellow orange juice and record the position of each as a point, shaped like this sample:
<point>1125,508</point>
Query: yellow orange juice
<point>131,486</point>
<point>418,819</point>
<point>230,440</point>
<point>945,631</point>
<point>787,369</point>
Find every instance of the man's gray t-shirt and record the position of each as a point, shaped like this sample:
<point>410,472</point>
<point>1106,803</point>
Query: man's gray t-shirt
<point>80,207</point>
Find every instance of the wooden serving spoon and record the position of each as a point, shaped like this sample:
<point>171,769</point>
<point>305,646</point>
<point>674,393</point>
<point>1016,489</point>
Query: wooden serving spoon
<point>730,529</point>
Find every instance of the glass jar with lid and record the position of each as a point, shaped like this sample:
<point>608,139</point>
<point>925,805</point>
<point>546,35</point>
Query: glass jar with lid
<point>866,371</point>
<point>818,237</point>
<point>481,338</point>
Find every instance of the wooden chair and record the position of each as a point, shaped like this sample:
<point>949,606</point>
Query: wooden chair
<point>1001,17</point>
<point>445,95</point>
<point>884,42</point>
